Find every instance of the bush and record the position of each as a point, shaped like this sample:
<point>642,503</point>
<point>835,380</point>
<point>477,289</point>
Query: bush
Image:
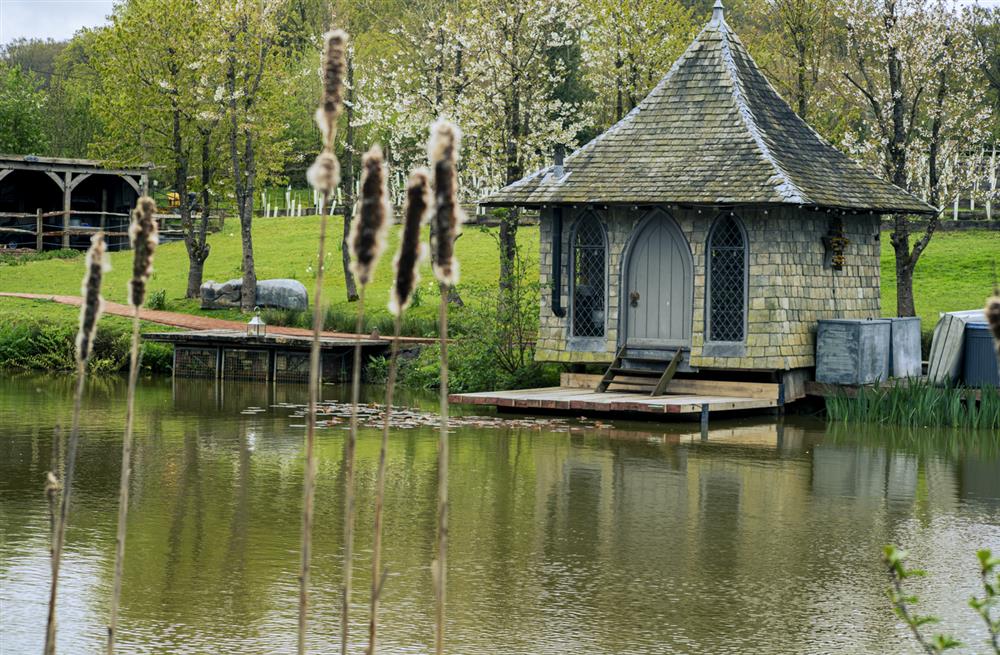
<point>50,346</point>
<point>157,300</point>
<point>492,341</point>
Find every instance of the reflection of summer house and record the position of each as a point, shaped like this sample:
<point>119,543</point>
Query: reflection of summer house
<point>711,221</point>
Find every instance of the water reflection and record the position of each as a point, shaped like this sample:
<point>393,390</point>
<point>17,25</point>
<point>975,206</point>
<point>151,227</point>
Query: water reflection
<point>568,536</point>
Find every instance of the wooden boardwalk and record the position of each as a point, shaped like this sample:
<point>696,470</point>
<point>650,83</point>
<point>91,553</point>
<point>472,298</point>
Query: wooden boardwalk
<point>576,393</point>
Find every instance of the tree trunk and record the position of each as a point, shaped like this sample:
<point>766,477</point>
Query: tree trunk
<point>196,237</point>
<point>508,224</point>
<point>801,92</point>
<point>347,183</point>
<point>904,285</point>
<point>248,294</point>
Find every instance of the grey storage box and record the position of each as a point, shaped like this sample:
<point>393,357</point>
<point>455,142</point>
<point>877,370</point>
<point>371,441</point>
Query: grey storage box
<point>853,351</point>
<point>904,356</point>
<point>981,362</point>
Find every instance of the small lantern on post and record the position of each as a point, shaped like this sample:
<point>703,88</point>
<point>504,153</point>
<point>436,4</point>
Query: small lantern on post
<point>256,327</point>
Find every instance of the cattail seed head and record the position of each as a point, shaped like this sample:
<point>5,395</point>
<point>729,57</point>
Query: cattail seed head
<point>992,312</point>
<point>143,233</point>
<point>334,74</point>
<point>442,150</point>
<point>372,218</point>
<point>412,250</point>
<point>324,174</point>
<point>93,303</point>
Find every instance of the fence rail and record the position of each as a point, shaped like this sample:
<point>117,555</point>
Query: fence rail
<point>44,232</point>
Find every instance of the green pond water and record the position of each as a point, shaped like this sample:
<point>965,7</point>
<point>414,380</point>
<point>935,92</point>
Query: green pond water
<point>567,536</point>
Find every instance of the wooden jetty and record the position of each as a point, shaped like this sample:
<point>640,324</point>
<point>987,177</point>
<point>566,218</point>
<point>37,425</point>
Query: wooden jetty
<point>231,354</point>
<point>682,397</point>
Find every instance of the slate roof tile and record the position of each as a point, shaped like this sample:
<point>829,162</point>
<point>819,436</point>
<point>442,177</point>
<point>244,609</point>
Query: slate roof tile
<point>713,130</point>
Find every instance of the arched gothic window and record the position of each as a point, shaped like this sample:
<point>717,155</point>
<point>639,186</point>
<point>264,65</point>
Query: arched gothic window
<point>727,278</point>
<point>589,277</point>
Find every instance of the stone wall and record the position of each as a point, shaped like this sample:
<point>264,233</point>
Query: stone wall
<point>790,287</point>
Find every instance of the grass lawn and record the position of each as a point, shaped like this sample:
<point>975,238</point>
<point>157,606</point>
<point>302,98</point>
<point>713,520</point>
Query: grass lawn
<point>955,272</point>
<point>283,248</point>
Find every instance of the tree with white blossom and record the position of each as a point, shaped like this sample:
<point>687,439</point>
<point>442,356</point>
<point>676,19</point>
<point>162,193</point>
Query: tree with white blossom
<point>913,66</point>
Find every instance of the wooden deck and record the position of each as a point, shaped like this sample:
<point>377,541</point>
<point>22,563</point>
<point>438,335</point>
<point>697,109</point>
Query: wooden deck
<point>576,393</point>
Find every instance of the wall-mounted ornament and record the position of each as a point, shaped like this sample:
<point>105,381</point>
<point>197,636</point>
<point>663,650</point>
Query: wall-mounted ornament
<point>835,245</point>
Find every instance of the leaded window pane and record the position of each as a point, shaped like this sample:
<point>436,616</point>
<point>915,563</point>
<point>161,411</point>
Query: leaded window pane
<point>727,262</point>
<point>589,257</point>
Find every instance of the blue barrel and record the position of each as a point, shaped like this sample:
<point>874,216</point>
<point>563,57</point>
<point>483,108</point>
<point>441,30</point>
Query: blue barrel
<point>981,363</point>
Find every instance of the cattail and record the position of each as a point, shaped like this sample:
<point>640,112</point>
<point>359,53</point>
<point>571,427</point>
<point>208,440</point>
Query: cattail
<point>334,74</point>
<point>992,312</point>
<point>324,174</point>
<point>374,215</point>
<point>144,236</point>
<point>442,151</point>
<point>411,250</point>
<point>93,303</point>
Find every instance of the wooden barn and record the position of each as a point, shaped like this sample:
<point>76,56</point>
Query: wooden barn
<point>51,202</point>
<point>709,229</point>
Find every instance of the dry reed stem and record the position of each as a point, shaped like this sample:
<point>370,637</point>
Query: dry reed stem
<point>123,484</point>
<point>309,486</point>
<point>378,577</point>
<point>144,236</point>
<point>349,447</point>
<point>90,313</point>
<point>440,565</point>
<point>324,176</point>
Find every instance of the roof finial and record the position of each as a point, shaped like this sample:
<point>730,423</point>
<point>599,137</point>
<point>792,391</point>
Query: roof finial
<point>717,12</point>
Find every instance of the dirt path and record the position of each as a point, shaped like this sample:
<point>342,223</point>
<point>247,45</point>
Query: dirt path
<point>192,322</point>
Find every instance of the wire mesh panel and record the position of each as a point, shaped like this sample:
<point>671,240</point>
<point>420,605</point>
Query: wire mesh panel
<point>195,362</point>
<point>589,258</point>
<point>727,290</point>
<point>291,367</point>
<point>241,364</point>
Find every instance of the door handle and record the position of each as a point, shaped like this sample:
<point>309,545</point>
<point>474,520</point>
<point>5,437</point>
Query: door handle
<point>633,298</point>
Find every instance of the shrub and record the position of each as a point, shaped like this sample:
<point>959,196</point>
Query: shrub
<point>157,300</point>
<point>16,260</point>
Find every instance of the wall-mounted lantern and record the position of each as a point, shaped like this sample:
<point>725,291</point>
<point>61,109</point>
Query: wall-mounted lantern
<point>256,327</point>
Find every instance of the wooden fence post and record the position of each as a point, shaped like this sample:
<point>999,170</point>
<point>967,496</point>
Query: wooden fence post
<point>39,227</point>
<point>67,195</point>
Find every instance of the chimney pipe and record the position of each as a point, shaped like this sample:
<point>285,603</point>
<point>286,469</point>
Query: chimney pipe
<point>558,155</point>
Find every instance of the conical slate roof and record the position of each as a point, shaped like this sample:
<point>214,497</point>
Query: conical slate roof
<point>713,131</point>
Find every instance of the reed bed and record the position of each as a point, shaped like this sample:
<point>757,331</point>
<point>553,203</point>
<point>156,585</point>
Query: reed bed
<point>918,404</point>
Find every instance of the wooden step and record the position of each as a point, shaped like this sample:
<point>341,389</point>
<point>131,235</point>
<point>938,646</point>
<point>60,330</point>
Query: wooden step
<point>637,371</point>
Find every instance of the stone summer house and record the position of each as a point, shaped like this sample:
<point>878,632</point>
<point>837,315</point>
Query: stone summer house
<point>711,221</point>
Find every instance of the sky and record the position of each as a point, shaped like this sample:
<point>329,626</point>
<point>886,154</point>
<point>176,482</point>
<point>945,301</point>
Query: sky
<point>50,19</point>
<point>60,19</point>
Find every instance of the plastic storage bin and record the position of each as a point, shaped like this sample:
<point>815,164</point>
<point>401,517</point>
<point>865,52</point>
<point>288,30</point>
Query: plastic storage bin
<point>981,364</point>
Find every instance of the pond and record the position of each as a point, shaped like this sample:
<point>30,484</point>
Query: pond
<point>567,535</point>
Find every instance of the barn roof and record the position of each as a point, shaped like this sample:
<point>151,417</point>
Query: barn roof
<point>713,131</point>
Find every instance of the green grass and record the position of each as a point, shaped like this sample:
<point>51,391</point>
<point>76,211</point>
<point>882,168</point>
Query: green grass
<point>37,334</point>
<point>283,248</point>
<point>954,273</point>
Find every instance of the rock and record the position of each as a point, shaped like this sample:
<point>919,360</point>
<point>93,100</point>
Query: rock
<point>221,296</point>
<point>281,294</point>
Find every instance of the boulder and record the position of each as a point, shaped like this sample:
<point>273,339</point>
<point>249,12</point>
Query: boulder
<point>281,294</point>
